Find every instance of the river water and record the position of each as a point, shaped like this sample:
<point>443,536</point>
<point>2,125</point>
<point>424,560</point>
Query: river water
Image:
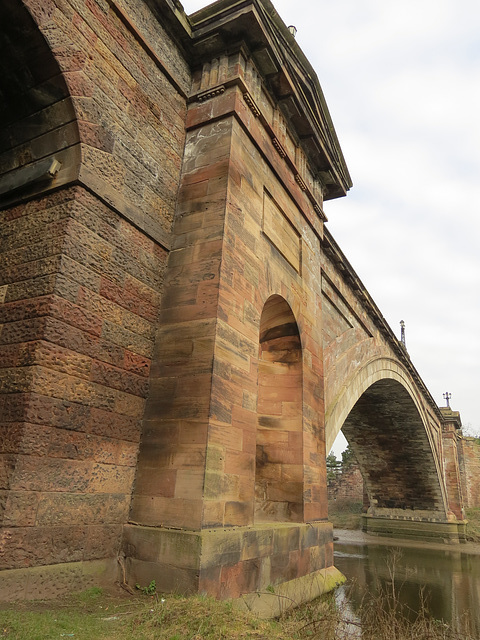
<point>445,579</point>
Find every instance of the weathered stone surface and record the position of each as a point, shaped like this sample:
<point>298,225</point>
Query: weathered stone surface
<point>81,291</point>
<point>226,562</point>
<point>54,581</point>
<point>292,593</point>
<point>470,466</point>
<point>347,486</point>
<point>179,334</point>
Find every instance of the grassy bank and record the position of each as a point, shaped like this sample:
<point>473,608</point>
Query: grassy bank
<point>345,514</point>
<point>94,615</point>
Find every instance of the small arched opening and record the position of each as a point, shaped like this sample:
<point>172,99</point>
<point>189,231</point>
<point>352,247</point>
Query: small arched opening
<point>279,451</point>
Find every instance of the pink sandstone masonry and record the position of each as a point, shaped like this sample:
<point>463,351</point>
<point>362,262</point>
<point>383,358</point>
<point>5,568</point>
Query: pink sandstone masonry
<point>179,333</point>
<point>347,487</point>
<point>471,469</point>
<point>83,255</point>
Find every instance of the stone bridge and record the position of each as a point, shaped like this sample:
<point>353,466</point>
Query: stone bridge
<point>405,444</point>
<point>180,334</point>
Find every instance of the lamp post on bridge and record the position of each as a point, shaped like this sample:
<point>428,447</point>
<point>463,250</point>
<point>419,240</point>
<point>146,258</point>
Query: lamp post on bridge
<point>447,397</point>
<point>402,333</point>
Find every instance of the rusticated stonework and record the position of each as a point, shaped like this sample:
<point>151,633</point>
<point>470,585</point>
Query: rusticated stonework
<point>179,333</point>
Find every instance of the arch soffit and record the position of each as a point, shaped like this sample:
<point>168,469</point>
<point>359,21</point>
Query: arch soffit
<point>373,371</point>
<point>270,298</point>
<point>293,306</point>
<point>57,161</point>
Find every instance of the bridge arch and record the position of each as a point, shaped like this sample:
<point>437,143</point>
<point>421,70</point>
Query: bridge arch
<point>373,371</point>
<point>40,141</point>
<point>385,424</point>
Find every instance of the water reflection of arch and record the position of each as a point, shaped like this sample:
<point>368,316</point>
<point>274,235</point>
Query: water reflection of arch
<point>442,580</point>
<point>383,419</point>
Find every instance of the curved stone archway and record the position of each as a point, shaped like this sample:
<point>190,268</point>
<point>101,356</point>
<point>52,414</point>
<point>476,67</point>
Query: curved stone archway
<point>352,390</point>
<point>387,435</point>
<point>39,144</point>
<point>384,422</point>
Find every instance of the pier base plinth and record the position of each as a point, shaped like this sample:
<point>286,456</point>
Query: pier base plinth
<point>268,568</point>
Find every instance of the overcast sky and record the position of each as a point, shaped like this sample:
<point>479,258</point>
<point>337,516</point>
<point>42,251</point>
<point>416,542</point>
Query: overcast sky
<point>402,83</point>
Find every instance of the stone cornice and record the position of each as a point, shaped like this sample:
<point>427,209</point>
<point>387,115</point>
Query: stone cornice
<point>287,76</point>
<point>451,418</point>
<point>237,81</point>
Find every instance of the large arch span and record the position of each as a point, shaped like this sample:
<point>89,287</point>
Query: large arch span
<point>380,412</point>
<point>373,371</point>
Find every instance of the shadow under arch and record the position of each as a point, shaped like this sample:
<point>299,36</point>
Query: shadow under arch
<point>39,132</point>
<point>384,423</point>
<point>279,450</point>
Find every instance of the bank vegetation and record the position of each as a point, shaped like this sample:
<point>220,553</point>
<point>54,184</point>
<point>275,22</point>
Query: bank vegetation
<point>95,615</point>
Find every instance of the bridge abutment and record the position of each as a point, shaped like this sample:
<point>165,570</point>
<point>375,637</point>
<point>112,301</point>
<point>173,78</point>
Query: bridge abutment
<point>416,528</point>
<point>229,496</point>
<point>453,461</point>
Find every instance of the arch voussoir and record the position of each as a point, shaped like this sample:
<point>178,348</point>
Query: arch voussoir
<point>374,370</point>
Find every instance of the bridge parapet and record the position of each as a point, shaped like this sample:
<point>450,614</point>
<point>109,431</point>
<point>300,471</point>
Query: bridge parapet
<point>355,331</point>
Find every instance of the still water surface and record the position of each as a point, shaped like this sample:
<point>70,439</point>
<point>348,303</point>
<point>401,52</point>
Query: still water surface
<point>446,578</point>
